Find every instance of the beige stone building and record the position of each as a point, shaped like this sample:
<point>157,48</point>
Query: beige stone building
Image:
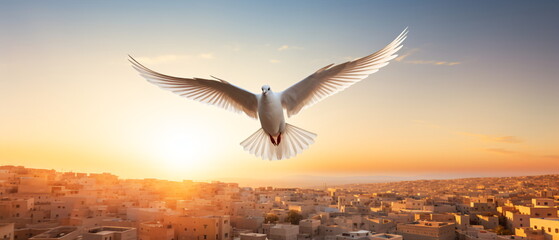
<point>156,231</point>
<point>200,228</point>
<point>538,212</point>
<point>309,227</point>
<point>549,227</point>
<point>7,231</point>
<point>530,233</point>
<point>253,236</point>
<point>111,233</point>
<point>427,231</point>
<point>283,232</point>
<point>60,233</point>
<point>517,220</point>
<point>543,202</point>
<point>385,236</point>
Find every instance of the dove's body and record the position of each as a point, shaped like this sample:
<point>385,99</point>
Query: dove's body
<point>270,113</point>
<point>276,139</point>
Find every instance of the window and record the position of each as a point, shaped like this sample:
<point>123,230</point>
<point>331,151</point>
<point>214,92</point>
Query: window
<point>557,230</point>
<point>549,229</point>
<point>205,236</point>
<point>535,227</point>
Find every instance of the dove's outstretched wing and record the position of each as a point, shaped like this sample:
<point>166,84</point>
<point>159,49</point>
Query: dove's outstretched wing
<point>215,92</point>
<point>329,80</point>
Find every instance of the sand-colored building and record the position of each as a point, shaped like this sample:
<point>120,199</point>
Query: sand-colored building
<point>200,228</point>
<point>253,236</point>
<point>7,231</point>
<point>283,232</point>
<point>309,227</point>
<point>156,231</point>
<point>426,230</point>
<point>517,220</point>
<point>538,212</point>
<point>111,233</point>
<point>60,233</point>
<point>530,233</point>
<point>386,236</point>
<point>549,227</point>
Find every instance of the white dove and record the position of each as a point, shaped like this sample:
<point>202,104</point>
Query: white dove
<point>276,139</point>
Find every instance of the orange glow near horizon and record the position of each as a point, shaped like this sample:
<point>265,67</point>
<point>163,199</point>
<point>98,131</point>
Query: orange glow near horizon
<point>448,105</point>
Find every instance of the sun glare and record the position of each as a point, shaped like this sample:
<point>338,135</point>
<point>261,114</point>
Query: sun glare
<point>180,150</point>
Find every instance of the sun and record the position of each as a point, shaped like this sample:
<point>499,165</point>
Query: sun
<point>180,150</point>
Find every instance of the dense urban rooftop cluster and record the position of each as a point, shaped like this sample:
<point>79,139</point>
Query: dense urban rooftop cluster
<point>46,204</point>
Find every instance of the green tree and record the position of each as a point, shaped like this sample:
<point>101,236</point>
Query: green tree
<point>270,218</point>
<point>294,217</point>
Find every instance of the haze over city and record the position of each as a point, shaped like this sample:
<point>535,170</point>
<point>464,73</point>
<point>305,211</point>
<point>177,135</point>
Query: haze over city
<point>473,92</point>
<point>455,139</point>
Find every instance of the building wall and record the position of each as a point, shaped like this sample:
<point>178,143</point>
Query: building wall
<point>550,227</point>
<point>283,232</point>
<point>309,226</point>
<point>488,222</point>
<point>517,220</point>
<point>200,228</point>
<point>543,202</point>
<point>424,232</point>
<point>538,212</point>
<point>155,231</point>
<point>7,231</point>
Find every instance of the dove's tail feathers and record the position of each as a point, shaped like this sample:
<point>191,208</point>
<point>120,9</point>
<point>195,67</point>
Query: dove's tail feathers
<point>293,141</point>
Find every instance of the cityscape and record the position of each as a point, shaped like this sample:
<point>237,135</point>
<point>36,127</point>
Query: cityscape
<point>382,120</point>
<point>49,204</point>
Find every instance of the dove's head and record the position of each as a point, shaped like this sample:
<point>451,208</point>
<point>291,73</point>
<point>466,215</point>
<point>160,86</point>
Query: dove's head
<point>266,89</point>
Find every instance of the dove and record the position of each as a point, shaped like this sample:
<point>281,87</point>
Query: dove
<point>276,139</point>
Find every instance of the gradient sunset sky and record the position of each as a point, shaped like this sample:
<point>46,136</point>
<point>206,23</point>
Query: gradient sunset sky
<point>474,92</point>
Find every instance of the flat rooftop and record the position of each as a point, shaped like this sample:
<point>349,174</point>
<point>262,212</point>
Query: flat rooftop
<point>384,235</point>
<point>102,230</point>
<point>56,232</point>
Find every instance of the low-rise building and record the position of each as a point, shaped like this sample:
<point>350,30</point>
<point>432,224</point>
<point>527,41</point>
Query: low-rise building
<point>283,232</point>
<point>7,231</point>
<point>60,233</point>
<point>253,236</point>
<point>114,233</point>
<point>156,231</point>
<point>549,227</point>
<point>426,230</point>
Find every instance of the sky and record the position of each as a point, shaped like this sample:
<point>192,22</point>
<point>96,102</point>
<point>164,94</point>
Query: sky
<point>474,91</point>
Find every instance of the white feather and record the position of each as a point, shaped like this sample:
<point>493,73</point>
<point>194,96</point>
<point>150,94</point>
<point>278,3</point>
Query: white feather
<point>330,80</point>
